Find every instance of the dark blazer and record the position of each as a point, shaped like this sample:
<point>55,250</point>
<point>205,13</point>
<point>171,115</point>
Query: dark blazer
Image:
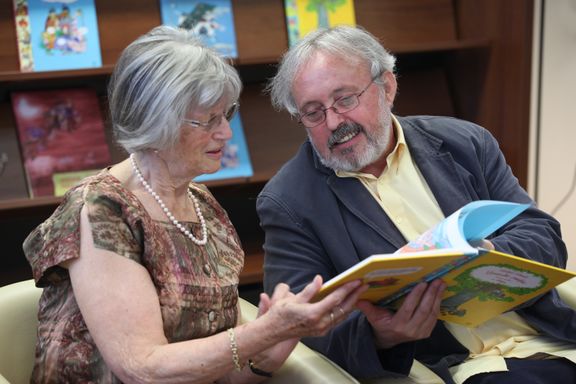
<point>318,223</point>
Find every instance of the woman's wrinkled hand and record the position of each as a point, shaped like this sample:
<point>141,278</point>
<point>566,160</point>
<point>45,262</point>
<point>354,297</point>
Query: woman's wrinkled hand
<point>294,315</point>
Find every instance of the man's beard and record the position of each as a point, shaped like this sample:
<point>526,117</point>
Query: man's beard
<point>351,160</point>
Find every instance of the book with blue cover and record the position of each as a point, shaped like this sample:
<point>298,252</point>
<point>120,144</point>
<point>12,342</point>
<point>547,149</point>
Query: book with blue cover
<point>57,35</point>
<point>236,158</point>
<point>211,20</point>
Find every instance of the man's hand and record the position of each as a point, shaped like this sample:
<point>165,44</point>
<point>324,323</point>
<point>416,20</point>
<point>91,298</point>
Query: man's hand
<point>414,320</point>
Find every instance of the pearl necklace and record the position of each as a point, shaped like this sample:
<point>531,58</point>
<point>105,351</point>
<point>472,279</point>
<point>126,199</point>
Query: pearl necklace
<point>184,230</point>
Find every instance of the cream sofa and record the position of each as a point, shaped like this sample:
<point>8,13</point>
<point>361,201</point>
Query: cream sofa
<point>18,321</point>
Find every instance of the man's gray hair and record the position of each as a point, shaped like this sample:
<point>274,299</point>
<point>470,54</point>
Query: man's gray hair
<point>158,79</point>
<point>351,43</point>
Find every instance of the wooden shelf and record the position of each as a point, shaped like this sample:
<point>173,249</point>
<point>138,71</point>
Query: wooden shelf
<point>10,207</point>
<point>440,46</point>
<point>17,76</point>
<point>252,272</point>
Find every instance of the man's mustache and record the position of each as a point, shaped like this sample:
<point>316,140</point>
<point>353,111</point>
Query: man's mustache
<point>344,129</point>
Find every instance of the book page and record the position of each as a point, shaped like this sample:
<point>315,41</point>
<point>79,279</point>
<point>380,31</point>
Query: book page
<point>473,222</point>
<point>495,283</point>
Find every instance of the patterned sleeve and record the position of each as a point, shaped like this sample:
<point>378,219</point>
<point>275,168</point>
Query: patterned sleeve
<point>116,226</point>
<point>113,227</point>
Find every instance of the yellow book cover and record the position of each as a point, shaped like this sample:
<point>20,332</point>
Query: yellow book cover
<point>63,181</point>
<point>494,283</point>
<point>303,16</point>
<point>481,284</point>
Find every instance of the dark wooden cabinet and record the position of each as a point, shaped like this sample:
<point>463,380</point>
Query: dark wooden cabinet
<point>464,58</point>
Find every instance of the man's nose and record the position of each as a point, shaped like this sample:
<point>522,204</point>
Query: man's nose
<point>333,118</point>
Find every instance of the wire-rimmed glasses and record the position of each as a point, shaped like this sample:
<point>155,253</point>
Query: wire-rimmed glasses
<point>341,105</point>
<point>216,120</point>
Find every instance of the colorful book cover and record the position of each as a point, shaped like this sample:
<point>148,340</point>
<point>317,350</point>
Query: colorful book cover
<point>303,16</point>
<point>63,181</point>
<point>59,131</point>
<point>57,35</point>
<point>481,284</point>
<point>211,20</point>
<point>236,159</point>
<point>12,177</point>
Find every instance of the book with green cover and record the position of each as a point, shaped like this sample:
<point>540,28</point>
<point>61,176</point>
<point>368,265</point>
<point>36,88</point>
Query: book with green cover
<point>481,283</point>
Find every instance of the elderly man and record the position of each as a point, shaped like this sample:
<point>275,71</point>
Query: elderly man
<point>366,182</point>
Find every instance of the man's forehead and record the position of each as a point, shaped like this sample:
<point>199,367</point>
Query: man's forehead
<point>325,78</point>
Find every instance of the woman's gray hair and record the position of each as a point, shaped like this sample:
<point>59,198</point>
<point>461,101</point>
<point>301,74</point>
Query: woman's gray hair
<point>351,43</point>
<point>158,79</point>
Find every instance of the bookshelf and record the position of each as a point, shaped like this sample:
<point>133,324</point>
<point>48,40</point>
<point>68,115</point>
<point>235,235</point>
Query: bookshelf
<point>464,58</point>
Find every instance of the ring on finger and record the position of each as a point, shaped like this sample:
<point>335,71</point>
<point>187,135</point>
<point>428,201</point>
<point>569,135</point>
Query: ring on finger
<point>339,308</point>
<point>332,318</point>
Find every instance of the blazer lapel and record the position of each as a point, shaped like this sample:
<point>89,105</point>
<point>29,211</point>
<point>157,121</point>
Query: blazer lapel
<point>438,168</point>
<point>358,200</point>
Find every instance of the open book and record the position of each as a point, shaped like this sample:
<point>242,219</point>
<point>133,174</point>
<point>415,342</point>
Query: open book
<point>481,283</point>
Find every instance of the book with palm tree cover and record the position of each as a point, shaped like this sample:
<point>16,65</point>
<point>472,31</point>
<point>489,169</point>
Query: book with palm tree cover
<point>304,16</point>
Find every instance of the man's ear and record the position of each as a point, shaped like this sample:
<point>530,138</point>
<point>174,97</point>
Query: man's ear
<point>390,86</point>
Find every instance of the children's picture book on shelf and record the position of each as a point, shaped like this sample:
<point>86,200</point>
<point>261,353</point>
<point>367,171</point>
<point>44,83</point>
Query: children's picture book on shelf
<point>12,177</point>
<point>59,131</point>
<point>236,158</point>
<point>56,35</point>
<point>303,16</point>
<point>481,283</point>
<point>212,21</point>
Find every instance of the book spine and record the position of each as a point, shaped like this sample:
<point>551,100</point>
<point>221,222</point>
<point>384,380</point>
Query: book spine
<point>438,273</point>
<point>23,35</point>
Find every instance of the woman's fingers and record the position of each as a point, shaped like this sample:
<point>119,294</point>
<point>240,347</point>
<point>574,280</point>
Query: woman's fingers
<point>281,292</point>
<point>314,319</point>
<point>344,296</point>
<point>264,304</point>
<point>349,303</point>
<point>311,289</point>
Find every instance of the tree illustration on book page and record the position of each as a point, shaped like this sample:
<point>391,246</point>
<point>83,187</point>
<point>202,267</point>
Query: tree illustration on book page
<point>495,282</point>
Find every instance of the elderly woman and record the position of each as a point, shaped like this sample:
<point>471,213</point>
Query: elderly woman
<point>139,265</point>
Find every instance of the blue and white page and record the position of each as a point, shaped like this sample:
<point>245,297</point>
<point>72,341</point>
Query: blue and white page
<point>63,35</point>
<point>211,20</point>
<point>236,159</point>
<point>471,223</point>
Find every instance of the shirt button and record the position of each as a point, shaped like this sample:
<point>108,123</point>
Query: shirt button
<point>207,269</point>
<point>399,220</point>
<point>211,316</point>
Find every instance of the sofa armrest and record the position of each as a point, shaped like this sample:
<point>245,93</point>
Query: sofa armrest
<point>567,292</point>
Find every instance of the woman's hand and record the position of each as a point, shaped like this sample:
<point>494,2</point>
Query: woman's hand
<point>293,316</point>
